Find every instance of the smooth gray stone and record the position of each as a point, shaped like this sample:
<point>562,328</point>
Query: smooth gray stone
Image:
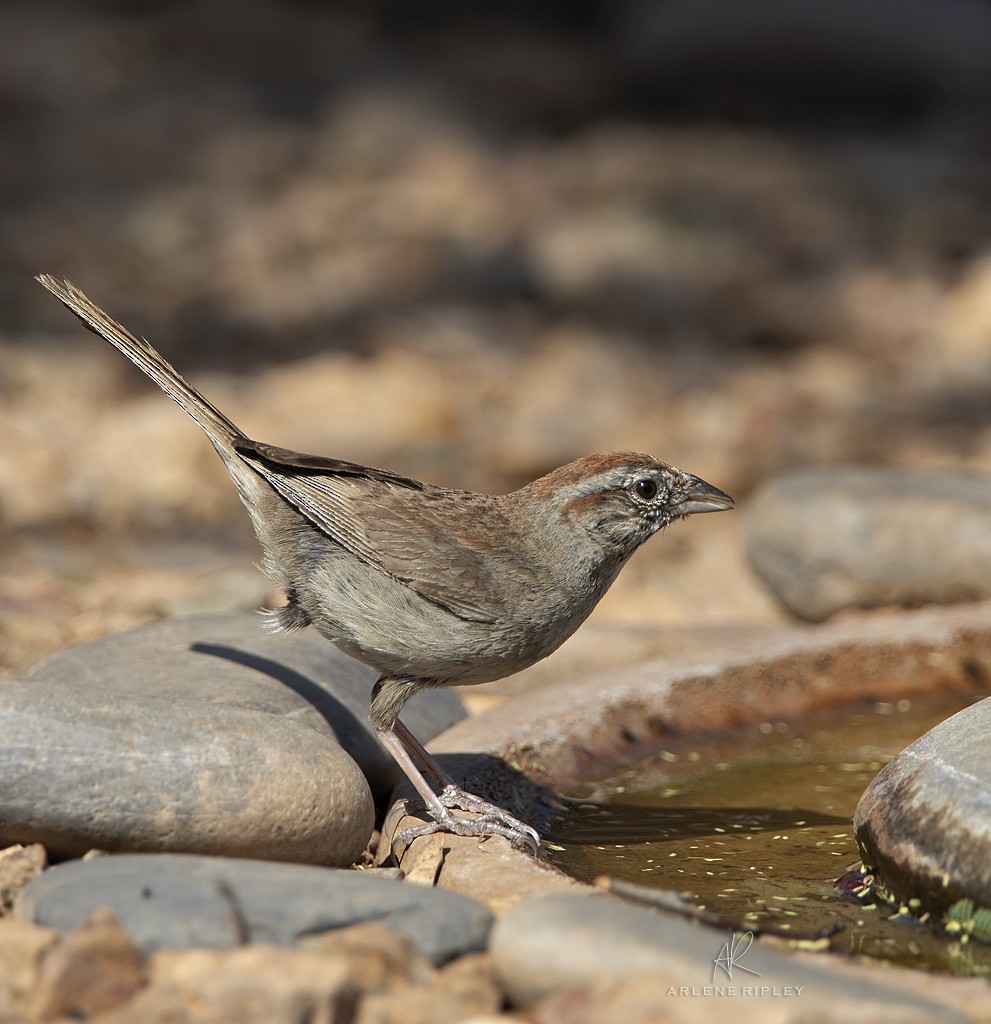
<point>203,735</point>
<point>924,822</point>
<point>87,767</point>
<point>175,900</point>
<point>232,659</point>
<point>565,941</point>
<point>826,539</point>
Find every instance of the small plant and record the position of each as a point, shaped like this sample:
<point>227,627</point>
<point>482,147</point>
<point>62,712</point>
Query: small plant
<point>964,920</point>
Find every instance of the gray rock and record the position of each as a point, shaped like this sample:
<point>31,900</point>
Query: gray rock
<point>203,735</point>
<point>858,537</point>
<point>168,901</point>
<point>92,768</point>
<point>924,823</point>
<point>566,941</point>
<point>232,659</point>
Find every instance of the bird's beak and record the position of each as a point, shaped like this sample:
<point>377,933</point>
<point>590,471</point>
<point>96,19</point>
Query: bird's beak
<point>698,496</point>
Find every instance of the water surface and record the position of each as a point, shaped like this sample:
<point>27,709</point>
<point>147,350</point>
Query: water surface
<point>756,827</point>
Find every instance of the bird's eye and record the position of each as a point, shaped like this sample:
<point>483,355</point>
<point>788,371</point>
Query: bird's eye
<point>646,488</point>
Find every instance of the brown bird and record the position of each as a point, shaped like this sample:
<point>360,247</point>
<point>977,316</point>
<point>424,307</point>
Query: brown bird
<point>428,585</point>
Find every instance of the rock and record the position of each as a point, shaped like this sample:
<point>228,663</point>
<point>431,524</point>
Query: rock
<point>924,824</point>
<point>22,947</point>
<point>232,659</point>
<point>175,900</point>
<point>251,985</point>
<point>47,974</point>
<point>205,735</point>
<point>324,982</point>
<point>858,537</point>
<point>18,865</point>
<point>378,957</point>
<point>87,972</point>
<point>147,773</point>
<point>577,729</point>
<point>494,872</point>
<point>465,990</point>
<point>648,1000</point>
<point>593,943</point>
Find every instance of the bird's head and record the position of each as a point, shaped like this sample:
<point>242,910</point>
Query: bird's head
<point>620,499</point>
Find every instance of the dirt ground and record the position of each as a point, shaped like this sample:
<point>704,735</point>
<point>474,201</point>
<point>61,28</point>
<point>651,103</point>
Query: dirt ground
<point>468,248</point>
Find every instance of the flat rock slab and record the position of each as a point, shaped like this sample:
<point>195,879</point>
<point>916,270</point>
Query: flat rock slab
<point>924,823</point>
<point>861,537</point>
<point>204,735</point>
<point>169,901</point>
<point>574,942</point>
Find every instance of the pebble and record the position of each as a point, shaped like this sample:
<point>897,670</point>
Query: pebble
<point>548,950</point>
<point>249,985</point>
<point>18,865</point>
<point>366,972</point>
<point>827,539</point>
<point>924,823</point>
<point>203,735</point>
<point>172,901</point>
<point>51,975</point>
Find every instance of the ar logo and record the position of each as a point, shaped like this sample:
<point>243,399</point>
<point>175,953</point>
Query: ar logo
<point>731,954</point>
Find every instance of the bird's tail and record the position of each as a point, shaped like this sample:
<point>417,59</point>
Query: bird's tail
<point>211,420</point>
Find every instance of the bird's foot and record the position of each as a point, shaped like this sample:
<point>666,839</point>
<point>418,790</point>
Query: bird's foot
<point>493,822</point>
<point>454,796</point>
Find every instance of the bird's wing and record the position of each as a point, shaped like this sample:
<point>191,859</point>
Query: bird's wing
<point>387,521</point>
<point>439,556</point>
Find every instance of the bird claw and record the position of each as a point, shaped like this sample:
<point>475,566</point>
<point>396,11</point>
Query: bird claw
<point>496,822</point>
<point>454,796</point>
<point>491,820</point>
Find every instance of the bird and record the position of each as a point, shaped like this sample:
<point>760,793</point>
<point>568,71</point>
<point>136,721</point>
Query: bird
<point>431,586</point>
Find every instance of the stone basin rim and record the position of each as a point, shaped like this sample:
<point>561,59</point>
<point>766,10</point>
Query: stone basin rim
<point>571,730</point>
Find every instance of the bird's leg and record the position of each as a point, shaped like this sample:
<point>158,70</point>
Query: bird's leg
<point>453,795</point>
<point>444,818</point>
<point>416,749</point>
<point>388,697</point>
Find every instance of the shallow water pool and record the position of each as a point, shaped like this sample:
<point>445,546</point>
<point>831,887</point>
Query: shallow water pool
<point>755,826</point>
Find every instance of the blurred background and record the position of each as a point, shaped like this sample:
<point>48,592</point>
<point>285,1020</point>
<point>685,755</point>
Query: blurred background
<point>471,242</point>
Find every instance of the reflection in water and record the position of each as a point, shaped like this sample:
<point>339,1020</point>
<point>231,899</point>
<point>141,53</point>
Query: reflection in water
<point>585,824</point>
